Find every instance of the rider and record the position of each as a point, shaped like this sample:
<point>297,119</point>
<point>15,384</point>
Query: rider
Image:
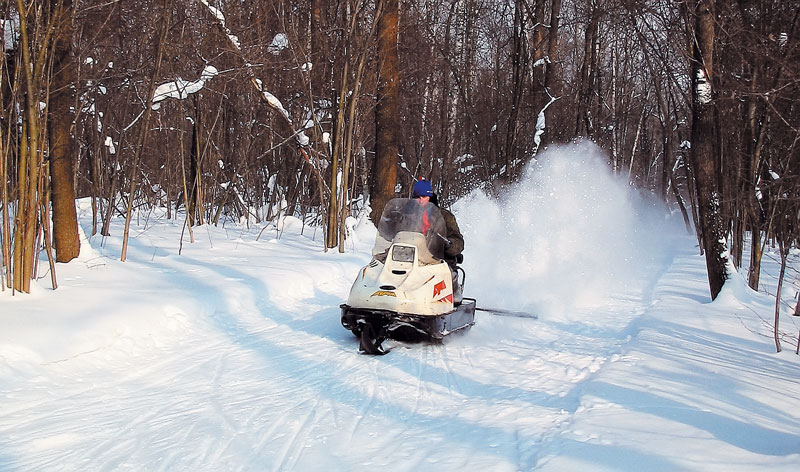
<point>423,191</point>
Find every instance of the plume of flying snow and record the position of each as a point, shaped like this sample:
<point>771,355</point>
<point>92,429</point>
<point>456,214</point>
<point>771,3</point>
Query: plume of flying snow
<point>567,236</point>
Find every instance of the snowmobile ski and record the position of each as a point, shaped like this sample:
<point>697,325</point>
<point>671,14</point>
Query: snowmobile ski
<point>372,326</point>
<point>370,342</point>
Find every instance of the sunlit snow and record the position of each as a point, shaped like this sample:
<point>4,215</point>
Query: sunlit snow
<point>228,354</point>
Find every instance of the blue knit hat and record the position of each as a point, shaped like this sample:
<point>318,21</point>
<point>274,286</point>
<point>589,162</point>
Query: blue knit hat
<point>422,188</point>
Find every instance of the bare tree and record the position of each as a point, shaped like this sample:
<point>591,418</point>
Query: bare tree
<point>34,54</point>
<point>704,153</point>
<point>61,132</point>
<point>165,19</point>
<point>387,112</point>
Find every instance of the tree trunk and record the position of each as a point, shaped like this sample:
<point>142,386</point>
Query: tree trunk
<point>187,194</point>
<point>518,73</point>
<point>60,129</point>
<point>45,224</point>
<point>552,47</point>
<point>784,252</point>
<point>705,159</point>
<point>387,111</point>
<point>583,116</point>
<point>5,234</point>
<point>34,53</point>
<point>193,182</point>
<point>332,235</point>
<point>5,177</point>
<point>549,91</point>
<point>350,132</point>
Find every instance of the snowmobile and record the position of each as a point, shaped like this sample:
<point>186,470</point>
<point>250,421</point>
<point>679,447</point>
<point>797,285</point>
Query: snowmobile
<point>406,292</point>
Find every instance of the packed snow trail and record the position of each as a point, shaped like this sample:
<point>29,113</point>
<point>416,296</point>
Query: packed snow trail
<point>230,356</point>
<point>240,363</point>
<point>250,383</point>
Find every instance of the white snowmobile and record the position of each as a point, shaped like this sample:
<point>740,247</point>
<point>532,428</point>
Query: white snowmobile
<point>406,291</point>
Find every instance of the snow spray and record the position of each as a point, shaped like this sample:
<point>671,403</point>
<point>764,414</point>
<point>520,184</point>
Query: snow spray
<point>564,237</point>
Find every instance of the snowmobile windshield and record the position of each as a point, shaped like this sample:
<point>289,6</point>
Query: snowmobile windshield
<point>411,215</point>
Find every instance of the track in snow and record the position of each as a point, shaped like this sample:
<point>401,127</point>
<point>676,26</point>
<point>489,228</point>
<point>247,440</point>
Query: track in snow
<point>263,377</point>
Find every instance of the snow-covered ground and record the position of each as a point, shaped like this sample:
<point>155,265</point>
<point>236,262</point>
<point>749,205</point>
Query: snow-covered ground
<point>230,355</point>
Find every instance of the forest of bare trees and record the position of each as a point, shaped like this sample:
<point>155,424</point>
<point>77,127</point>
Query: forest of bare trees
<point>220,109</point>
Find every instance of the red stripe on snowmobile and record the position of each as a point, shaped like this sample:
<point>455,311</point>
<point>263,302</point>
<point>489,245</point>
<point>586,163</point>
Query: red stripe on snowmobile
<point>437,289</point>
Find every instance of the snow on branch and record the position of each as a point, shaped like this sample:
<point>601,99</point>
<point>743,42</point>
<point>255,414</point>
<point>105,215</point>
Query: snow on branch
<point>542,62</point>
<point>221,19</point>
<point>540,125</point>
<point>271,99</point>
<point>180,88</point>
<point>279,43</point>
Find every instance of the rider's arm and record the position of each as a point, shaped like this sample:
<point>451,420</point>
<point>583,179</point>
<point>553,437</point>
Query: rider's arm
<point>456,245</point>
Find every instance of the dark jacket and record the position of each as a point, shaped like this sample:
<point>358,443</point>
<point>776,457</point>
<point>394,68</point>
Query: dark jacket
<point>456,246</point>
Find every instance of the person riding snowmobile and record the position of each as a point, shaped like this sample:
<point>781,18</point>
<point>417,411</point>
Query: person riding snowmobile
<point>423,191</point>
